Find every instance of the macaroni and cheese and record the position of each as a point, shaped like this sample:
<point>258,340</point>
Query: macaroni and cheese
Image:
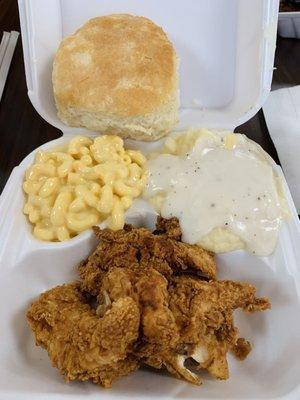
<point>69,191</point>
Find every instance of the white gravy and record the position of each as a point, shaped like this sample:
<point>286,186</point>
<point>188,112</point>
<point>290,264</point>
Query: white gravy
<point>212,187</point>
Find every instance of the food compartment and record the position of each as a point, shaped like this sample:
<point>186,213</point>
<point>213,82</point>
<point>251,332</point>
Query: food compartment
<point>269,371</point>
<point>38,266</point>
<point>140,213</point>
<point>223,80</point>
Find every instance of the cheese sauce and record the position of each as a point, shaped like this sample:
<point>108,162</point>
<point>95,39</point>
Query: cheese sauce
<point>222,182</point>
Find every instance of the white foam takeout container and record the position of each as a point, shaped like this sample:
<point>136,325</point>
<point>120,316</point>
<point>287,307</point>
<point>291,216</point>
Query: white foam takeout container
<point>227,53</point>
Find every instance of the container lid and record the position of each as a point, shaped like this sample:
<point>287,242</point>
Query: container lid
<point>226,50</point>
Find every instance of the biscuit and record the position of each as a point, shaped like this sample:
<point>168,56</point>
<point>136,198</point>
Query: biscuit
<point>118,74</point>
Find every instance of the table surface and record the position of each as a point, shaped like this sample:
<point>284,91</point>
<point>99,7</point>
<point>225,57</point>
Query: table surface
<point>22,129</point>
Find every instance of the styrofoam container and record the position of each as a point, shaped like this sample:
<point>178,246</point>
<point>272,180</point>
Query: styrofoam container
<point>289,24</point>
<point>227,54</point>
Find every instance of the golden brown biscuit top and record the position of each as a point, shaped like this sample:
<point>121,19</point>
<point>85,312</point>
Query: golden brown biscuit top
<point>117,64</point>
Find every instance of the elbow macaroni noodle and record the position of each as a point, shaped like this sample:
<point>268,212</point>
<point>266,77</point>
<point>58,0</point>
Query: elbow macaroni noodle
<point>93,180</point>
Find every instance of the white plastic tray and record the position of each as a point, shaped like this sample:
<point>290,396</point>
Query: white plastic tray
<point>227,51</point>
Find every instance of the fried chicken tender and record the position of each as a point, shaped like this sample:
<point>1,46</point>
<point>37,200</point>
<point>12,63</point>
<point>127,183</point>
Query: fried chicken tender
<point>149,289</point>
<point>204,315</point>
<point>157,303</point>
<point>139,248</point>
<point>159,334</point>
<point>79,343</point>
<point>185,319</point>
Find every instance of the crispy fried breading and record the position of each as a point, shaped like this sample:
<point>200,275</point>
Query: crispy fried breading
<point>204,315</point>
<point>154,306</point>
<point>139,248</point>
<point>199,327</point>
<point>79,343</point>
<point>169,227</point>
<point>241,349</point>
<point>149,289</point>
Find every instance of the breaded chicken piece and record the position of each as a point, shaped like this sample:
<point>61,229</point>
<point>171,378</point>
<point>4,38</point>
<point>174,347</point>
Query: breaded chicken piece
<point>159,334</point>
<point>79,343</point>
<point>139,248</point>
<point>204,316</point>
<point>154,306</point>
<point>149,289</point>
<point>187,319</point>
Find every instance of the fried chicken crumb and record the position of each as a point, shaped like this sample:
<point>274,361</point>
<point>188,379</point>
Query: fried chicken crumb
<point>241,349</point>
<point>169,227</point>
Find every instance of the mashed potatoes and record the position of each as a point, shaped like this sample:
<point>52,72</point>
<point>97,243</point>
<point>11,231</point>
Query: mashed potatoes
<point>221,187</point>
<point>220,240</point>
